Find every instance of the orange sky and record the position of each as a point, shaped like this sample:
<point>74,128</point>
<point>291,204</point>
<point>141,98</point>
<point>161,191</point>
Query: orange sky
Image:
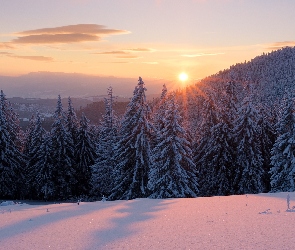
<point>155,39</point>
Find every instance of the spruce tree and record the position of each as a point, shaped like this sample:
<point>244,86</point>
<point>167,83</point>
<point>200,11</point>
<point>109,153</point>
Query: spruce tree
<point>249,162</point>
<point>230,103</point>
<point>13,126</point>
<point>72,123</point>
<point>43,171</point>
<point>12,161</point>
<point>29,135</point>
<point>173,173</point>
<point>218,160</point>
<point>62,153</point>
<point>102,178</point>
<point>133,152</point>
<point>85,155</point>
<point>160,110</point>
<point>205,171</point>
<point>283,152</point>
<point>267,137</point>
<point>35,139</point>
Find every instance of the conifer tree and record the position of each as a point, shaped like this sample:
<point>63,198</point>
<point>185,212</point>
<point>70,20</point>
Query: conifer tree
<point>249,163</point>
<point>160,110</point>
<point>283,152</point>
<point>218,160</point>
<point>85,155</point>
<point>133,152</point>
<point>72,123</point>
<point>267,139</point>
<point>217,151</point>
<point>102,178</point>
<point>230,103</point>
<point>44,172</point>
<point>35,139</point>
<point>62,153</point>
<point>173,173</point>
<point>12,177</point>
<point>29,135</point>
<point>12,120</point>
<point>205,172</point>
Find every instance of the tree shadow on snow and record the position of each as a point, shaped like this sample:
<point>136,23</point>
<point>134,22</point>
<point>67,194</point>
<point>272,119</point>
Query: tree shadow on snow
<point>53,213</point>
<point>125,221</point>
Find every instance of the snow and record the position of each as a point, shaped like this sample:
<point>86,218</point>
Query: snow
<point>7,203</point>
<point>231,222</point>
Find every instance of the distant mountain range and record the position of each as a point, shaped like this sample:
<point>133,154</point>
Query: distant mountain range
<point>50,84</point>
<point>272,75</point>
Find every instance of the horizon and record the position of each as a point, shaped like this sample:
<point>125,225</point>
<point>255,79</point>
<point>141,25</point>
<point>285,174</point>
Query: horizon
<point>121,40</point>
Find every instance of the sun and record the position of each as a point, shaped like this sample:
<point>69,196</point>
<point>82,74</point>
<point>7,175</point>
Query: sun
<point>183,77</point>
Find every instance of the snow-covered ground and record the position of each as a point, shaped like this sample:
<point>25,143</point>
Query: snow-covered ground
<point>233,222</point>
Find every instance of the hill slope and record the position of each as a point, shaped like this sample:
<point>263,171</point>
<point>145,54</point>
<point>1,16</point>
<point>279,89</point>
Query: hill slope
<point>272,75</point>
<point>233,222</point>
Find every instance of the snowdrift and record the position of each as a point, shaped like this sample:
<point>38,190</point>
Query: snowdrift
<point>260,221</point>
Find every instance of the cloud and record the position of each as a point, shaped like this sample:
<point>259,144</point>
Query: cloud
<point>5,53</point>
<point>94,29</point>
<point>140,50</point>
<point>150,62</point>
<point>128,56</point>
<point>66,34</point>
<point>34,58</point>
<point>120,62</point>
<point>202,54</point>
<point>56,38</point>
<point>6,46</point>
<point>124,53</point>
<point>116,52</point>
<point>279,45</point>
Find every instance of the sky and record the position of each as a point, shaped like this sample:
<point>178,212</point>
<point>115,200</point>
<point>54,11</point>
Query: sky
<point>149,38</point>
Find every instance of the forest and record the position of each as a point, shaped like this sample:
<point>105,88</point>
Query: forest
<point>230,133</point>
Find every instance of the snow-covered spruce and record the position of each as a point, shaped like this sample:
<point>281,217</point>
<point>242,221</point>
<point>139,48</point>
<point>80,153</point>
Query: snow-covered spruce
<point>12,177</point>
<point>283,152</point>
<point>62,153</point>
<point>43,171</point>
<point>132,154</point>
<point>210,119</point>
<point>102,170</point>
<point>71,122</point>
<point>173,172</point>
<point>85,155</point>
<point>249,162</point>
<point>35,135</point>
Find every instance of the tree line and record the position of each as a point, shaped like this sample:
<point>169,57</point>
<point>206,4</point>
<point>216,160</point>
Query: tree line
<point>183,144</point>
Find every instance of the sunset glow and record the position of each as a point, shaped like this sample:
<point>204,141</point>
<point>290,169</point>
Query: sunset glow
<point>97,38</point>
<point>183,77</point>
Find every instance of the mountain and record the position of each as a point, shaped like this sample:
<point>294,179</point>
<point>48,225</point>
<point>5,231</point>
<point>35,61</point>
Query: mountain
<point>50,84</point>
<point>271,75</point>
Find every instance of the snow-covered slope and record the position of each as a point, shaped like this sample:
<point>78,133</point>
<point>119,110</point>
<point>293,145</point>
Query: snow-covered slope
<point>231,222</point>
<point>272,75</point>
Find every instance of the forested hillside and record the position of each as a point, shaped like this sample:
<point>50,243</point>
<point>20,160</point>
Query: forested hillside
<point>230,133</point>
<point>94,111</point>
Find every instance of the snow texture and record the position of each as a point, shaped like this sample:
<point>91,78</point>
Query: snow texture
<point>230,222</point>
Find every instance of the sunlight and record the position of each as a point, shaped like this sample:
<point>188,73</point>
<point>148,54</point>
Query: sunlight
<point>183,77</point>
